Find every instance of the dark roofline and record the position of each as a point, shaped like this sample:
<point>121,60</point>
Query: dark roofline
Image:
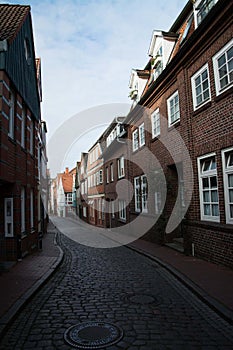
<point>182,16</point>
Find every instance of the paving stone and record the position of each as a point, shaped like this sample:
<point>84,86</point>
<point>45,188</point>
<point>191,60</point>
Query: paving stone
<point>95,284</point>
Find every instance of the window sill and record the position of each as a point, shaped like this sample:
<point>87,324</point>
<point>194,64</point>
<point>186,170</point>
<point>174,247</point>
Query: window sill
<point>202,108</point>
<point>224,94</point>
<point>155,138</point>
<point>174,125</point>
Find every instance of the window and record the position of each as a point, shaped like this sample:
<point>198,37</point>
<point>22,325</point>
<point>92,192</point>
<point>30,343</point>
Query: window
<point>30,129</point>
<point>227,156</point>
<point>85,212</point>
<point>202,8</point>
<point>137,195</point>
<point>68,198</point>
<point>135,139</point>
<point>155,123</point>
<point>122,209</point>
<point>8,215</point>
<point>32,208</point>
<point>11,115</point>
<point>101,176</point>
<point>188,26</point>
<point>22,199</point>
<point>141,135</point>
<point>173,109</point>
<point>158,203</point>
<point>208,186</point>
<point>140,193</point>
<point>223,68</point>
<point>113,209</point>
<point>121,167</point>
<point>107,175</point>
<point>23,128</point>
<point>201,87</point>
<point>144,193</point>
<point>111,172</point>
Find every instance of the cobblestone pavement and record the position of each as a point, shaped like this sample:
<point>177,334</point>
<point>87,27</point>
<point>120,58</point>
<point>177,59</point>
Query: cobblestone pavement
<point>122,287</point>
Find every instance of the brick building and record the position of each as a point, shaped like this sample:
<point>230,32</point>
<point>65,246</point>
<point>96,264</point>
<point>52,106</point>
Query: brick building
<point>20,125</point>
<point>191,82</point>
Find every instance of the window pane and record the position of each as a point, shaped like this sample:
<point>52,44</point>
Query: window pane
<point>206,94</point>
<point>231,211</point>
<point>205,182</point>
<point>204,75</point>
<point>197,81</point>
<point>206,196</point>
<point>215,211</point>
<point>223,82</point>
<point>206,209</point>
<point>213,181</point>
<point>230,65</point>
<point>230,53</point>
<point>223,71</point>
<point>230,180</point>
<point>221,60</point>
<point>206,165</point>
<point>214,196</point>
<point>205,85</point>
<point>231,196</point>
<point>213,164</point>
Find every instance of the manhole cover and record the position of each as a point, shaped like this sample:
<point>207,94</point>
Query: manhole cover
<point>93,335</point>
<point>143,299</point>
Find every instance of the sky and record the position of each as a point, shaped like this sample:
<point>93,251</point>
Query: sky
<point>87,49</point>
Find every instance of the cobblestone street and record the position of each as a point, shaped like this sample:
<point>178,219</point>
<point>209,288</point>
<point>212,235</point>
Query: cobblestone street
<point>119,286</point>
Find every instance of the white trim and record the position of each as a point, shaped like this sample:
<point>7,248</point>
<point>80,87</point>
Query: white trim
<point>226,172</point>
<point>122,209</point>
<point>135,143</point>
<point>8,217</point>
<point>141,135</point>
<point>121,167</point>
<point>208,174</point>
<point>172,97</point>
<point>218,88</point>
<point>193,83</point>
<point>156,113</point>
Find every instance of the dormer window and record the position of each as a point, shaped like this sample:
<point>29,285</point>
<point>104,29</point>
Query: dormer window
<point>201,9</point>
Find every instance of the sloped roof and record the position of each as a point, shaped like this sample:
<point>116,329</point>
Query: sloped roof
<point>11,20</point>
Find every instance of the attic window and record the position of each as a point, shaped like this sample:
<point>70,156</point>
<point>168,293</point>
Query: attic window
<point>27,50</point>
<point>186,31</point>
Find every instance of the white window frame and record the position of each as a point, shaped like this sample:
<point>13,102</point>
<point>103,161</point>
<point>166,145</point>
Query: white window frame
<point>101,176</point>
<point>137,194</point>
<point>22,205</point>
<point>111,172</point>
<point>107,175</point>
<point>84,212</point>
<point>8,216</point>
<point>215,58</point>
<point>169,108</point>
<point>199,75</point>
<point>23,121</point>
<point>122,209</point>
<point>144,194</point>
<point>158,202</point>
<point>121,167</point>
<point>135,142</point>
<point>69,198</point>
<point>227,170</point>
<point>32,208</point>
<point>197,7</point>
<point>207,174</point>
<point>113,208</point>
<point>142,136</point>
<point>11,114</point>
<point>155,123</point>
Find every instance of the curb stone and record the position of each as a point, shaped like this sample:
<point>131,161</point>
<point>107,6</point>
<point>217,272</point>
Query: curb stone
<point>11,314</point>
<point>215,305</point>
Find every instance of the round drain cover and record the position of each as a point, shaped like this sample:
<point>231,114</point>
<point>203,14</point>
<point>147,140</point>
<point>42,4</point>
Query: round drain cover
<point>93,335</point>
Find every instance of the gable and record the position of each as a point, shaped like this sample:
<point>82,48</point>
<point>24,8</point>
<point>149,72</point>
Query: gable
<point>19,63</point>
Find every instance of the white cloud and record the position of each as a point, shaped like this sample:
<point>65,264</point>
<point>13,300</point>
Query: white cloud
<point>88,49</point>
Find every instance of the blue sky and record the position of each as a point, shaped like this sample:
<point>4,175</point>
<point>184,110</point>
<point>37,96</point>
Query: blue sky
<point>88,49</point>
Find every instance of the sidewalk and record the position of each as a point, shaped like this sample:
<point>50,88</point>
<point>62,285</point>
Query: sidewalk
<point>20,283</point>
<point>212,283</point>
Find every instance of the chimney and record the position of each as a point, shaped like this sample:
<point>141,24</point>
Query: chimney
<point>67,170</point>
